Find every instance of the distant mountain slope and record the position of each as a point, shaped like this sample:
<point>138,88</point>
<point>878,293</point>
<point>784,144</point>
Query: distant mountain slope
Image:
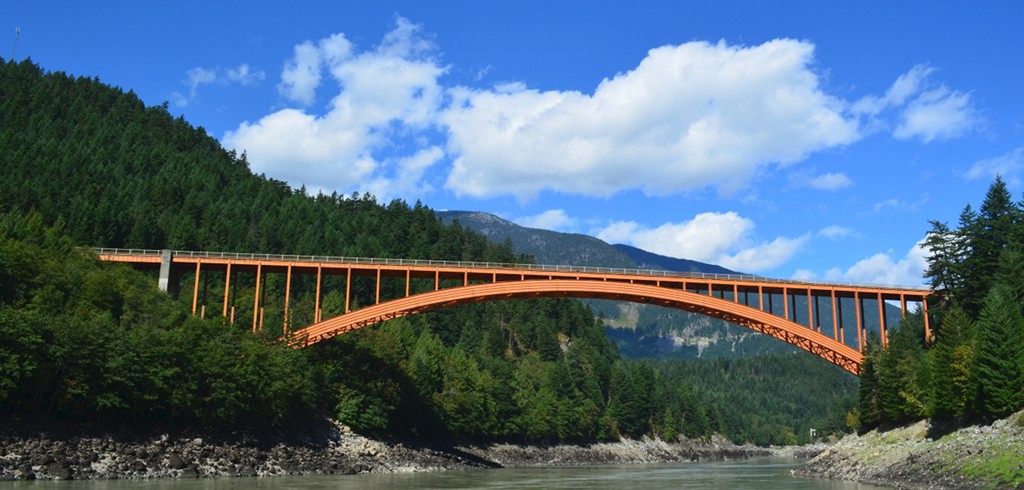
<point>647,260</point>
<point>640,331</point>
<point>546,246</point>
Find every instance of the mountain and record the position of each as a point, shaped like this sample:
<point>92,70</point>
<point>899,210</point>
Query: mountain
<point>647,260</point>
<point>546,247</point>
<point>639,331</point>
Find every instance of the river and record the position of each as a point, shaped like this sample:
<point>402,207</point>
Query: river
<point>766,473</point>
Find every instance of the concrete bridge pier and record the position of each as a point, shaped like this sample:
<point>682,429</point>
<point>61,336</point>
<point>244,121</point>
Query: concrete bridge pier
<point>170,278</point>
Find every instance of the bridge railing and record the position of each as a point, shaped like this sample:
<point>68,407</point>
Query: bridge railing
<point>481,265</point>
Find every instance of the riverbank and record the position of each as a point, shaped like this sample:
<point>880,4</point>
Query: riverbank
<point>917,456</point>
<point>62,454</point>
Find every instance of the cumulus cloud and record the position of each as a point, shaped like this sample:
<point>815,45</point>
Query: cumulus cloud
<point>301,75</point>
<point>1007,166</point>
<point>924,110</point>
<point>383,94</point>
<point>552,219</point>
<point>197,77</point>
<point>407,177</point>
<point>686,117</point>
<point>724,239</point>
<point>884,268</point>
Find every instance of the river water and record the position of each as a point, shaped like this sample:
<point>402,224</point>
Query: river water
<point>769,473</point>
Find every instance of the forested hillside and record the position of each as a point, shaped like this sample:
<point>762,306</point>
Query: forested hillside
<point>972,369</point>
<point>85,164</point>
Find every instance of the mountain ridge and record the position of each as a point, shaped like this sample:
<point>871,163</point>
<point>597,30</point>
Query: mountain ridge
<point>638,330</point>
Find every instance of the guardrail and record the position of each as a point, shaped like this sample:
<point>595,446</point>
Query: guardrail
<point>484,265</point>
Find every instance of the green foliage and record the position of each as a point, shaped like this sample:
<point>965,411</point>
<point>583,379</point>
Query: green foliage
<point>99,342</point>
<point>975,369</point>
<point>951,359</point>
<point>902,374</point>
<point>770,399</point>
<point>999,365</point>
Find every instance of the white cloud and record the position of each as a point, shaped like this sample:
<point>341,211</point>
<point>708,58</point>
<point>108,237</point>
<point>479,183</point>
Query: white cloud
<point>835,232</point>
<point>303,149</point>
<point>804,275</point>
<point>301,75</point>
<point>925,111</point>
<point>384,94</point>
<point>905,86</point>
<point>724,239</point>
<point>825,182</point>
<point>408,176</point>
<point>764,256</point>
<point>244,75</point>
<point>198,77</point>
<point>686,117</point>
<point>936,114</point>
<point>691,116</point>
<point>552,219</point>
<point>883,268</point>
<point>901,205</point>
<point>1008,166</point>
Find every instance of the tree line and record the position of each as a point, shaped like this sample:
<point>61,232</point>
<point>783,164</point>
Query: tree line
<point>972,369</point>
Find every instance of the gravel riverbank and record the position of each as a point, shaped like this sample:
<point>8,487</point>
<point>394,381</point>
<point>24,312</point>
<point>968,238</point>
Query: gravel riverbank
<point>917,456</point>
<point>330,450</point>
<point>53,454</point>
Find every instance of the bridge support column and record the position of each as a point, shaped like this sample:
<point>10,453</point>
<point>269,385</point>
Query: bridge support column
<point>169,278</point>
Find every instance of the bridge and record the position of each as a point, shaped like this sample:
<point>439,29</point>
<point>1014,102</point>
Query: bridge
<point>814,316</point>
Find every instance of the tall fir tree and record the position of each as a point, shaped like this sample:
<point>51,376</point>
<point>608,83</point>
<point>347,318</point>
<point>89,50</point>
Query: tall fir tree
<point>987,235</point>
<point>951,358</point>
<point>868,393</point>
<point>999,365</point>
<point>946,252</point>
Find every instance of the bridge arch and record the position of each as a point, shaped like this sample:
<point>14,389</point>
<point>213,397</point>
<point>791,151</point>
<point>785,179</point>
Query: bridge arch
<point>783,329</point>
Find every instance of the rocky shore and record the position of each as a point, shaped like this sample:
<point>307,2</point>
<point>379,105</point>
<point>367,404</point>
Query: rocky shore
<point>920,456</point>
<point>27,454</point>
<point>643,451</point>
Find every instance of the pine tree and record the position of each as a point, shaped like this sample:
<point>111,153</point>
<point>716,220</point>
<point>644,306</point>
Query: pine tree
<point>946,254</point>
<point>951,360</point>
<point>987,235</point>
<point>868,393</point>
<point>1000,355</point>
<point>902,377</point>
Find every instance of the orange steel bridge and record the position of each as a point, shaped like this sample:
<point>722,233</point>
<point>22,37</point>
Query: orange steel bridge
<point>814,316</point>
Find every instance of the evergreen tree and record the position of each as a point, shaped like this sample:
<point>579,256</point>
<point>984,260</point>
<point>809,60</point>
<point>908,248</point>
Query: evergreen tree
<point>951,358</point>
<point>987,236</point>
<point>999,365</point>
<point>946,253</point>
<point>868,393</point>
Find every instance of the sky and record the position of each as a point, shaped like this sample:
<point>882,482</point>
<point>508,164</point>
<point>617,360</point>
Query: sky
<point>807,140</point>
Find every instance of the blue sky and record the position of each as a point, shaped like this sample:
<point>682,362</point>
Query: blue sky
<point>795,139</point>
